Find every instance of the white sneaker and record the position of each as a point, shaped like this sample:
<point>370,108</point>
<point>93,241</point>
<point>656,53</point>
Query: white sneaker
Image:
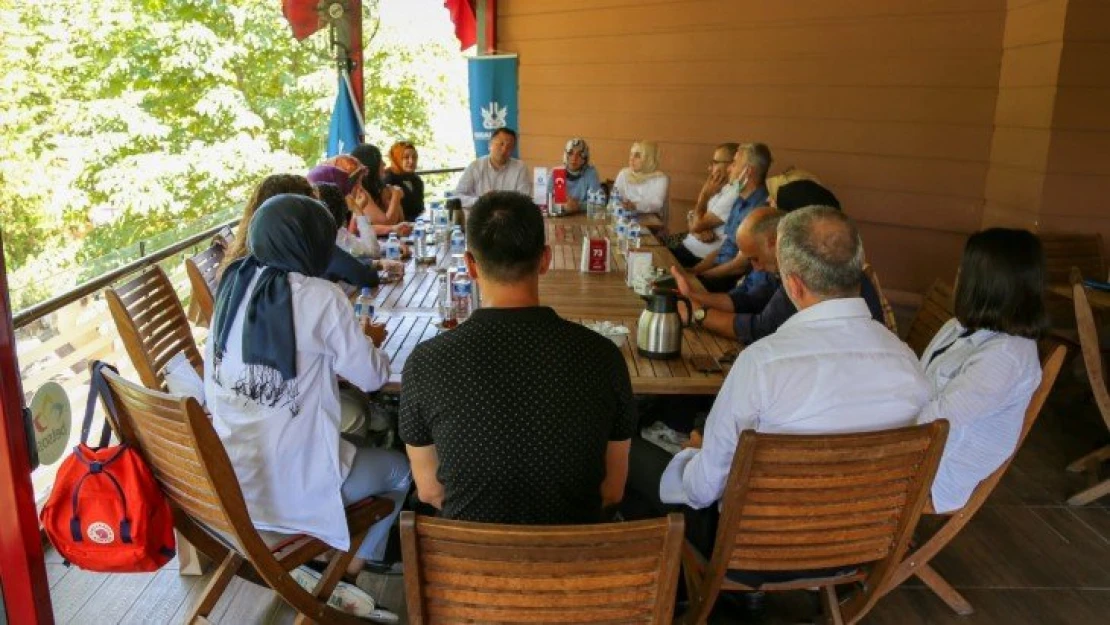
<point>345,598</point>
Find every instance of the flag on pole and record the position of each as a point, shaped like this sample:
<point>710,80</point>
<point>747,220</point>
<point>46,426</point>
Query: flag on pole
<point>345,132</point>
<point>464,17</point>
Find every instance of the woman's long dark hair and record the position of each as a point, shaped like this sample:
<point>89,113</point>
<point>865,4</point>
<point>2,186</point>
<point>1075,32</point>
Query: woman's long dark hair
<point>1001,283</point>
<point>371,157</point>
<point>270,186</point>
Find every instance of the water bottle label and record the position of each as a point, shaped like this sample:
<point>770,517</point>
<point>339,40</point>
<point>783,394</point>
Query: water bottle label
<point>461,289</point>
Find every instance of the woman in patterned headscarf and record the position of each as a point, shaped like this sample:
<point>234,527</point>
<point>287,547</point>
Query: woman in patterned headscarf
<point>642,187</point>
<point>378,201</point>
<point>581,175</point>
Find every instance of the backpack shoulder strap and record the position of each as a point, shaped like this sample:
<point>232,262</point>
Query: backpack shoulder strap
<point>98,387</point>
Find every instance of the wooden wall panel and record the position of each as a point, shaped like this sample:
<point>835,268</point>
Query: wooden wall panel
<point>1077,181</point>
<point>891,102</point>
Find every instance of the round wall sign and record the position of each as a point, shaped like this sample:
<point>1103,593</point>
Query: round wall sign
<point>51,420</point>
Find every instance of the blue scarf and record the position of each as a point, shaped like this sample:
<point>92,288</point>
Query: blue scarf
<point>288,233</point>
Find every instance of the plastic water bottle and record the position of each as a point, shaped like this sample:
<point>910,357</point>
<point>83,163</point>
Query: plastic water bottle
<point>364,309</point>
<point>462,294</point>
<point>429,249</point>
<point>393,247</point>
<point>622,233</point>
<point>634,233</point>
<point>418,232</point>
<point>591,204</point>
<point>443,300</point>
<point>458,241</point>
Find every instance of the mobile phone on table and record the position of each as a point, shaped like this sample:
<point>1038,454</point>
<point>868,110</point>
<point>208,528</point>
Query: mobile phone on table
<point>704,363</point>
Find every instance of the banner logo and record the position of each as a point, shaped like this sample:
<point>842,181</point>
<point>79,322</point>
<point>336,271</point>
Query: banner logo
<point>494,116</point>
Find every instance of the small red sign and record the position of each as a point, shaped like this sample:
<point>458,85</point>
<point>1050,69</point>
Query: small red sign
<point>598,255</point>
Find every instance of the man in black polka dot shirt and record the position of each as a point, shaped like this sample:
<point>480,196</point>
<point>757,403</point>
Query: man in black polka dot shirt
<point>517,415</point>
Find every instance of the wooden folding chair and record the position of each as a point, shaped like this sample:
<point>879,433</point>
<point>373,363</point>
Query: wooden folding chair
<point>889,320</point>
<point>841,506</point>
<point>458,572</point>
<point>177,440</point>
<point>151,321</point>
<point>201,270</point>
<point>1089,345</point>
<point>917,562</point>
<point>936,309</point>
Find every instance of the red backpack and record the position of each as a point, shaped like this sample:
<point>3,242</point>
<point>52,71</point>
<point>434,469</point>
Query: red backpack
<point>106,512</point>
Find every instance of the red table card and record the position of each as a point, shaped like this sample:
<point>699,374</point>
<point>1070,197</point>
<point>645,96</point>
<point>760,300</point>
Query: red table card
<point>595,255</point>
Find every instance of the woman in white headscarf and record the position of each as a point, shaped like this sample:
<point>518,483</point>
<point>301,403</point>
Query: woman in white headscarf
<point>643,188</point>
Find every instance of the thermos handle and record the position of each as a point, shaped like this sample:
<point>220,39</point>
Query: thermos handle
<point>689,311</point>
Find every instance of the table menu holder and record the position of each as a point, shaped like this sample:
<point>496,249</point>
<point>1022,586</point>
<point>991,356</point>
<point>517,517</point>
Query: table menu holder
<point>597,255</point>
<point>539,188</point>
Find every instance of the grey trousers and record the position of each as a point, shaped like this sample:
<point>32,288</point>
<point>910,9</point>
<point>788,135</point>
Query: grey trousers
<point>377,472</point>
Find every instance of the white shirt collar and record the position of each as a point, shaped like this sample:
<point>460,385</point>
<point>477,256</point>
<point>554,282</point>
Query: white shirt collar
<point>839,308</point>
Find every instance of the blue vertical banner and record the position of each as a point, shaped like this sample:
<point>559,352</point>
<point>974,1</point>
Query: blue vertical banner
<point>345,132</point>
<point>493,95</point>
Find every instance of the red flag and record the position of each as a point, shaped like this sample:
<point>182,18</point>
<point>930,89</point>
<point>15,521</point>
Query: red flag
<point>464,17</point>
<point>302,16</point>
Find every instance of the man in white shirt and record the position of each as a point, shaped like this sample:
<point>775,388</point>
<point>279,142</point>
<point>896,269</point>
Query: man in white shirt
<point>830,368</point>
<point>711,210</point>
<point>498,171</point>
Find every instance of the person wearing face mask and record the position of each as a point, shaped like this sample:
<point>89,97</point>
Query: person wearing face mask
<point>707,220</point>
<point>806,378</point>
<point>643,188</point>
<point>498,171</point>
<point>402,173</point>
<point>749,313</point>
<point>581,175</point>
<point>719,272</point>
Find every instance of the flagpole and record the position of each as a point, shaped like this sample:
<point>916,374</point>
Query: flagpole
<point>354,29</point>
<point>358,113</point>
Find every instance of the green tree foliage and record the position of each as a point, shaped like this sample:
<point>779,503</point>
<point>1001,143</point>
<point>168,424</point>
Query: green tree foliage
<point>122,119</point>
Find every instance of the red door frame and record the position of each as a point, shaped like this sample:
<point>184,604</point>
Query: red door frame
<point>22,569</point>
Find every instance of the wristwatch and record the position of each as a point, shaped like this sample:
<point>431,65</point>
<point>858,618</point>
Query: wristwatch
<point>699,316</point>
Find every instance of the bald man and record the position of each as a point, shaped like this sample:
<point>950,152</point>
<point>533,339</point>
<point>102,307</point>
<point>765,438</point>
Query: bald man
<point>749,314</point>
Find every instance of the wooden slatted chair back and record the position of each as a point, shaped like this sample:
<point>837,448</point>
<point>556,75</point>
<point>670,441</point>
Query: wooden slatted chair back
<point>825,501</point>
<point>889,319</point>
<point>170,433</point>
<point>152,323</point>
<point>936,309</point>
<point>203,280</point>
<point>457,571</point>
<point>1064,250</point>
<point>187,457</point>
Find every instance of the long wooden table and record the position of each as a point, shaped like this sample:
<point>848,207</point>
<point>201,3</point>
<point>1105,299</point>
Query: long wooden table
<point>409,310</point>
